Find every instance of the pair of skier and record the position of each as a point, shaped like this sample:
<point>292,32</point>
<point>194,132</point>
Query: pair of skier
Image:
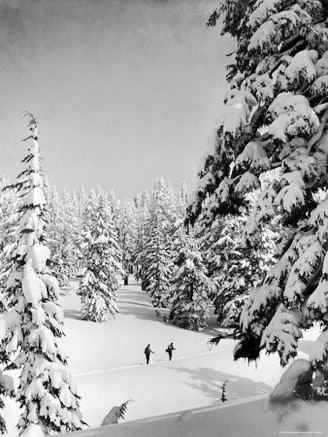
<point>169,350</point>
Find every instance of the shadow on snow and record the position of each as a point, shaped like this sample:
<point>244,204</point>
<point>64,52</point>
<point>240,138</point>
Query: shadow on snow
<point>210,381</point>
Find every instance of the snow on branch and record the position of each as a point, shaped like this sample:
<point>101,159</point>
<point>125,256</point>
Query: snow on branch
<point>247,182</point>
<point>237,111</point>
<point>302,271</point>
<point>319,219</point>
<point>261,87</point>
<point>42,339</point>
<point>320,86</point>
<point>321,67</point>
<point>52,285</point>
<point>33,287</point>
<point>282,334</point>
<point>254,157</point>
<point>277,28</point>
<point>223,190</point>
<point>39,254</point>
<point>301,67</point>
<point>265,205</point>
<point>318,300</point>
<point>260,303</point>
<point>292,194</point>
<point>318,134</point>
<point>299,160</point>
<point>292,116</point>
<point>318,355</point>
<point>263,9</point>
<point>8,322</point>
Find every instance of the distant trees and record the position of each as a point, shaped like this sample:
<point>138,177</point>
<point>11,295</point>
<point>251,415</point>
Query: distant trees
<point>63,228</point>
<point>139,256</point>
<point>8,226</point>
<point>223,254</point>
<point>234,266</point>
<point>275,118</point>
<point>127,235</point>
<point>157,212</point>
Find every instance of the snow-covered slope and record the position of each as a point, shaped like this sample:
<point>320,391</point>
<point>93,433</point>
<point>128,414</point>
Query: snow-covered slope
<point>244,418</point>
<point>205,422</point>
<point>108,362</point>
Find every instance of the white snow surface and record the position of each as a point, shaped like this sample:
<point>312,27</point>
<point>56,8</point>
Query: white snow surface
<point>33,287</point>
<point>108,363</point>
<point>39,255</point>
<point>33,431</point>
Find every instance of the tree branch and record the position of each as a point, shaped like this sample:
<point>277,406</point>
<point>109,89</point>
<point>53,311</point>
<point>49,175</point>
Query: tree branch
<point>320,183</point>
<point>285,53</point>
<point>320,108</point>
<point>319,132</point>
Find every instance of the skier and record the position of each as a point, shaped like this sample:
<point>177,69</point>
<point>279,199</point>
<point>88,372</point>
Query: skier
<point>148,351</point>
<point>169,350</point>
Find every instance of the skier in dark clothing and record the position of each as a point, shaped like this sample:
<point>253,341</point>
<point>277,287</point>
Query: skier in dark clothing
<point>148,351</point>
<point>169,350</point>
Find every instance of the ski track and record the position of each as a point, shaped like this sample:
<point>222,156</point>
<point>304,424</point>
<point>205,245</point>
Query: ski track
<point>131,366</point>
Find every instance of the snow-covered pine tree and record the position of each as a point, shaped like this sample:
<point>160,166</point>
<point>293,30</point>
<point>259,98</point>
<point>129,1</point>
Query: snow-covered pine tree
<point>82,200</point>
<point>99,284</point>
<point>127,233</point>
<point>182,200</point>
<point>159,232</point>
<point>63,226</point>
<point>159,268</point>
<point>70,226</point>
<point>190,286</point>
<point>275,117</point>
<point>32,330</point>
<point>234,266</point>
<point>57,238</point>
<point>139,256</point>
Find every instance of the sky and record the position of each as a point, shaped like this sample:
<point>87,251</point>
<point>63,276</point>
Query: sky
<point>125,91</point>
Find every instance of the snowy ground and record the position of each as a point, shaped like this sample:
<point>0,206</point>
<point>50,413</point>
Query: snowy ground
<point>108,362</point>
<point>110,368</point>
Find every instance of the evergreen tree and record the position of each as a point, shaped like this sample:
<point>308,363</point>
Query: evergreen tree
<point>182,201</point>
<point>139,256</point>
<point>82,200</point>
<point>234,266</point>
<point>69,235</point>
<point>33,328</point>
<point>159,267</point>
<point>127,232</point>
<point>190,287</point>
<point>63,226</point>
<point>157,252</point>
<point>99,284</point>
<point>56,237</point>
<point>275,117</point>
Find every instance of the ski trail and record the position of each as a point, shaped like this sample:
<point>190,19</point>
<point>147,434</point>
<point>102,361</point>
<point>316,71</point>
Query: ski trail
<point>154,362</point>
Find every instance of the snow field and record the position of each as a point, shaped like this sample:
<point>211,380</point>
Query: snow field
<point>109,364</point>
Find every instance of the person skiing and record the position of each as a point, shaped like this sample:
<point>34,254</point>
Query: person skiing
<point>169,350</point>
<point>148,351</point>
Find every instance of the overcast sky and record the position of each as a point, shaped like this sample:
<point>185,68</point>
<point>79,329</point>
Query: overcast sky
<point>125,91</point>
